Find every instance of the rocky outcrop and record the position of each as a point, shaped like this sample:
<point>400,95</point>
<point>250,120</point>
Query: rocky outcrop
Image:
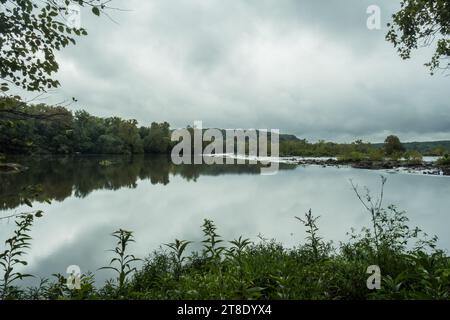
<point>398,165</point>
<point>445,170</point>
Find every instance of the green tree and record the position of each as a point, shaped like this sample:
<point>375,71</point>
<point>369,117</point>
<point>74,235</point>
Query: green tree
<point>110,144</point>
<point>30,130</point>
<point>31,32</point>
<point>413,157</point>
<point>127,132</point>
<point>392,146</point>
<point>438,151</point>
<point>87,130</point>
<point>157,138</point>
<point>421,23</point>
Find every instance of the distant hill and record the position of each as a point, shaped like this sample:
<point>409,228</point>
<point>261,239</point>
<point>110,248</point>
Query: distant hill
<point>288,137</point>
<point>282,136</point>
<point>423,147</point>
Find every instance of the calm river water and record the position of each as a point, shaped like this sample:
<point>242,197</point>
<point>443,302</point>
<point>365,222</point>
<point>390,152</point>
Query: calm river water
<point>160,201</point>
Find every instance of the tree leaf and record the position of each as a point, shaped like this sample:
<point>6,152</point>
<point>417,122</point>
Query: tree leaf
<point>95,11</point>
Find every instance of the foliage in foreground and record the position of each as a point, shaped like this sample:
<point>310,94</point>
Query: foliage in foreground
<point>421,23</point>
<point>411,266</point>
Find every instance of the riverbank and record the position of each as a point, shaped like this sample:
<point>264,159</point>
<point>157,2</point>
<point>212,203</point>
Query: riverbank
<point>389,166</point>
<point>429,166</point>
<point>391,261</point>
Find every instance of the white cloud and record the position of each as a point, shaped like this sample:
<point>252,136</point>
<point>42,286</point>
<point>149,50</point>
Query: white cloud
<point>310,69</point>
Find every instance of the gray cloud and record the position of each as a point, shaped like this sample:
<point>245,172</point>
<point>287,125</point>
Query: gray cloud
<point>307,67</point>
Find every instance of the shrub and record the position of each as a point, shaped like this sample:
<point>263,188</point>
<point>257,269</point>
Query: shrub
<point>413,157</point>
<point>352,156</point>
<point>444,161</point>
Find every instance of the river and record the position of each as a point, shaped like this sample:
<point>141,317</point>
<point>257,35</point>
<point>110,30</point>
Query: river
<point>160,201</point>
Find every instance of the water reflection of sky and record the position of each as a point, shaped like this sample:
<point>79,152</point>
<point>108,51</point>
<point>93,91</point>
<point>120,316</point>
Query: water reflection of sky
<point>77,230</point>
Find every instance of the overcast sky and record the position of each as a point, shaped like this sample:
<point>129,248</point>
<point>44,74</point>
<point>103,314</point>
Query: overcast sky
<point>311,68</point>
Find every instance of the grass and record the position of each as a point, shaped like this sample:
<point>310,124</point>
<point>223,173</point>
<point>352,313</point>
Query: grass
<point>411,265</point>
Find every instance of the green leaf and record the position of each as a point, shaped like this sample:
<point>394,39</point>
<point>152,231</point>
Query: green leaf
<point>27,202</point>
<point>95,11</point>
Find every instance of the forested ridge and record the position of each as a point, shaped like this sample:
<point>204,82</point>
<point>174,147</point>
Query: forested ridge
<point>27,128</point>
<point>42,129</point>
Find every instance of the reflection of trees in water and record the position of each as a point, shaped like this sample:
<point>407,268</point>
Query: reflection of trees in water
<point>60,177</point>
